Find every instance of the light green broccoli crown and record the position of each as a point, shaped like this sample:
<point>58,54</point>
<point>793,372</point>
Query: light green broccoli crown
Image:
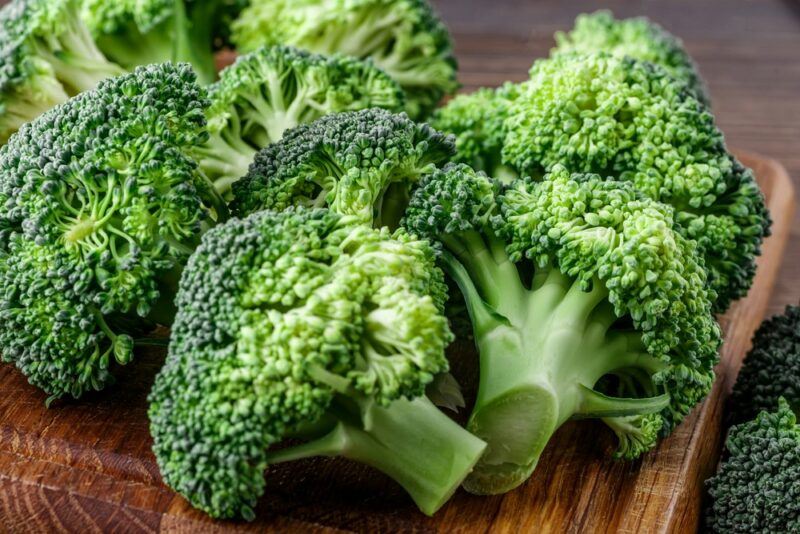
<point>638,38</point>
<point>601,230</point>
<point>272,89</point>
<point>405,38</point>
<point>101,206</point>
<point>626,118</point>
<point>476,120</point>
<point>46,55</point>
<point>281,317</point>
<point>757,486</point>
<point>584,303</point>
<point>361,163</point>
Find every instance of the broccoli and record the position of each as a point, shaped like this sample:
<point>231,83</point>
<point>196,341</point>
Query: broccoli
<point>405,38</point>
<point>305,324</point>
<point>140,32</point>
<point>46,56</point>
<point>357,163</point>
<point>630,119</point>
<point>771,368</point>
<point>275,88</point>
<point>569,280</point>
<point>101,206</point>
<point>638,38</point>
<point>476,121</point>
<point>757,487</point>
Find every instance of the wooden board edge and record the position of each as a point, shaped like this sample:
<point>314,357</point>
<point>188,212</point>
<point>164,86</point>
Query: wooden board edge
<point>685,511</point>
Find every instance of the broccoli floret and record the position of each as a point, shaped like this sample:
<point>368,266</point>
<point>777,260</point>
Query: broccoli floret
<point>757,487</point>
<point>46,56</point>
<point>276,88</point>
<point>771,369</point>
<point>405,38</point>
<point>140,32</point>
<point>638,38</point>
<point>569,280</point>
<point>301,324</point>
<point>476,120</point>
<point>361,163</point>
<point>632,120</point>
<point>101,205</point>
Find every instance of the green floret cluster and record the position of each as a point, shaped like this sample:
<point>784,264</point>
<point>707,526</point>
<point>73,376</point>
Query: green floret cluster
<point>757,487</point>
<point>568,280</point>
<point>638,38</point>
<point>46,56</point>
<point>273,89</point>
<point>302,323</point>
<point>405,38</point>
<point>771,369</point>
<point>101,205</point>
<point>362,163</point>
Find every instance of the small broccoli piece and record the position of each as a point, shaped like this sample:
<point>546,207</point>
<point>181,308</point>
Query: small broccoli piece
<point>567,281</point>
<point>405,38</point>
<point>273,89</point>
<point>361,163</point>
<point>476,120</point>
<point>301,324</point>
<point>47,55</point>
<point>101,207</point>
<point>632,120</point>
<point>638,38</point>
<point>771,369</point>
<point>140,32</point>
<point>757,487</point>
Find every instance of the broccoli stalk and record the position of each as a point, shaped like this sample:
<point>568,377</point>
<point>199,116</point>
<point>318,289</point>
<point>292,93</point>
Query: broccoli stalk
<point>273,89</point>
<point>569,282</point>
<point>411,441</point>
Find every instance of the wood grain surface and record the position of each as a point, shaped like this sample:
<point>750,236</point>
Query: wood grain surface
<point>86,466</point>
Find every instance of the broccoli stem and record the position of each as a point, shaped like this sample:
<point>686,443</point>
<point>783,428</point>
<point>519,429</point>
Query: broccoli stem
<point>541,350</point>
<point>413,442</point>
<point>225,158</point>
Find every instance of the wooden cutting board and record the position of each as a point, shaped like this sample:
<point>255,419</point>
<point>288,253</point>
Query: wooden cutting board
<point>87,466</point>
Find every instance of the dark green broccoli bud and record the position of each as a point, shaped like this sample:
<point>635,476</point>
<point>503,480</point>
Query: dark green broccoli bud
<point>102,204</point>
<point>476,120</point>
<point>362,163</point>
<point>302,324</point>
<point>273,89</point>
<point>771,368</point>
<point>46,56</point>
<point>405,38</point>
<point>567,281</point>
<point>757,487</point>
<point>632,120</point>
<point>141,32</point>
<point>638,38</point>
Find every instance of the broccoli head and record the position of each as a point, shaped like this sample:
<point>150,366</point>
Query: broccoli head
<point>638,38</point>
<point>757,487</point>
<point>632,120</point>
<point>140,32</point>
<point>276,88</point>
<point>771,369</point>
<point>362,163</point>
<point>405,38</point>
<point>569,281</point>
<point>301,324</point>
<point>101,205</point>
<point>476,120</point>
<point>46,56</point>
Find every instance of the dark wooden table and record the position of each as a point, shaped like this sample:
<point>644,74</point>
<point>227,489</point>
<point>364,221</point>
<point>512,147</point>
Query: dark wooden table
<point>748,52</point>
